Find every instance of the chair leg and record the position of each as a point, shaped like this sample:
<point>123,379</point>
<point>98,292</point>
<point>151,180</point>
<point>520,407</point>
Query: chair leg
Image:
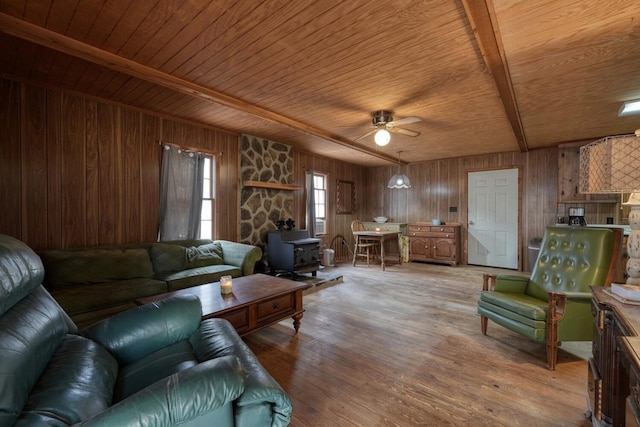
<point>552,344</point>
<point>483,324</point>
<point>552,355</point>
<point>367,256</point>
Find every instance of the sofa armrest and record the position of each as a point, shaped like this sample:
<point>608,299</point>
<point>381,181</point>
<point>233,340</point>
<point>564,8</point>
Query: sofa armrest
<point>263,401</point>
<point>133,334</point>
<point>241,255</point>
<point>181,397</point>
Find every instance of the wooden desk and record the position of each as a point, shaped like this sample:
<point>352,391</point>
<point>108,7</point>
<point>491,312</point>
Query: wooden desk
<point>380,236</point>
<point>257,301</point>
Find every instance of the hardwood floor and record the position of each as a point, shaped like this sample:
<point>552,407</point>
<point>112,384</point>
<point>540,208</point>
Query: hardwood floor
<point>403,348</point>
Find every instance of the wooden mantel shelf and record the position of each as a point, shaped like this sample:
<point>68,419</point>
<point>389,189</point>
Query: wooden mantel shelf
<point>271,185</point>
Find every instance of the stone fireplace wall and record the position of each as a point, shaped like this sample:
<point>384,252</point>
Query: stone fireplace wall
<point>260,208</point>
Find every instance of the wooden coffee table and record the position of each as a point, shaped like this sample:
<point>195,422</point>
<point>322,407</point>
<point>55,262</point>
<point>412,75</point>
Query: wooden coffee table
<point>257,301</point>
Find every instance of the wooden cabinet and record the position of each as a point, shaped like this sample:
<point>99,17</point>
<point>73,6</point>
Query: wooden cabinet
<point>569,178</point>
<point>613,370</point>
<point>435,243</point>
<point>569,175</point>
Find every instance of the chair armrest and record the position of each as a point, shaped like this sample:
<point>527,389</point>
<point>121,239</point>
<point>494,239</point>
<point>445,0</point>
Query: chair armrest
<point>241,255</point>
<point>558,302</point>
<point>263,398</point>
<point>505,283</point>
<point>578,296</point>
<point>178,398</point>
<point>138,332</point>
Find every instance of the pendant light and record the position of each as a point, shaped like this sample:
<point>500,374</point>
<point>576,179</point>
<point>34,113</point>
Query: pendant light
<point>399,180</point>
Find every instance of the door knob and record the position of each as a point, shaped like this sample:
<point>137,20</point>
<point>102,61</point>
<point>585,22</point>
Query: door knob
<point>471,223</point>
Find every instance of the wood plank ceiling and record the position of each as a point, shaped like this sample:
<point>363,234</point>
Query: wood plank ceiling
<point>485,76</point>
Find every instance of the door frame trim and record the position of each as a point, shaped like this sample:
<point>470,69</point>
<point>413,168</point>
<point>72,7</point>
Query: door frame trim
<point>466,211</point>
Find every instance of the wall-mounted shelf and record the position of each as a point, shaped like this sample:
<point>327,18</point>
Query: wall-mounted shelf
<point>271,185</point>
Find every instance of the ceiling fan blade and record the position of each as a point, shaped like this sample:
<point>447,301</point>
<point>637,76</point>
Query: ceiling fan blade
<point>366,135</point>
<point>405,121</point>
<point>403,131</point>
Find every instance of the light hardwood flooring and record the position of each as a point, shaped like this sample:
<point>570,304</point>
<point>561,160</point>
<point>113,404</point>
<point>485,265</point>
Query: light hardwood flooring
<point>403,348</point>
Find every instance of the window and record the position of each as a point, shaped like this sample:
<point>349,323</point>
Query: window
<point>320,196</point>
<point>208,198</point>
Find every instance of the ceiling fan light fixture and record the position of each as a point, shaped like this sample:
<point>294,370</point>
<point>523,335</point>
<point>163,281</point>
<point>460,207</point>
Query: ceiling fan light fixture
<point>382,137</point>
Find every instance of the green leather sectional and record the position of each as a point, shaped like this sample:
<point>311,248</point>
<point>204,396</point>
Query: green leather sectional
<point>154,365</point>
<point>94,283</point>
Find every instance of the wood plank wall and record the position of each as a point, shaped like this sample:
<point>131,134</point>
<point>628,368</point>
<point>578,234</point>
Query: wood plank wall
<point>439,185</point>
<point>78,172</point>
<point>334,169</point>
<point>75,172</point>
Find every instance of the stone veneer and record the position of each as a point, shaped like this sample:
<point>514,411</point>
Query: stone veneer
<point>260,208</point>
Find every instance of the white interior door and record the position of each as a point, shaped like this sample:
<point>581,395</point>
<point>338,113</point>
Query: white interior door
<point>493,218</point>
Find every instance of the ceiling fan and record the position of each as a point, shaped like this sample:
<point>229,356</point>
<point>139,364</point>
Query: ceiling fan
<point>383,123</point>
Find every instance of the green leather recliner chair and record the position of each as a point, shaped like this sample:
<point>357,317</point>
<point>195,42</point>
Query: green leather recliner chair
<point>154,365</point>
<point>554,303</point>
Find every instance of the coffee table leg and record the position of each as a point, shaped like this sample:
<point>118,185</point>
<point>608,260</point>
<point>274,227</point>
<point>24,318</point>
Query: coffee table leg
<point>296,322</point>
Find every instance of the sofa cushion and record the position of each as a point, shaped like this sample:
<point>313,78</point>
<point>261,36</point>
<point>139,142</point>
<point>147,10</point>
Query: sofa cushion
<point>76,385</point>
<point>198,276</point>
<point>166,257</point>
<point>82,299</point>
<point>131,335</point>
<point>519,304</point>
<point>205,255</point>
<point>68,268</point>
<point>153,367</point>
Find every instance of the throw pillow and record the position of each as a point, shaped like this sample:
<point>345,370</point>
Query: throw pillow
<point>167,257</point>
<point>204,255</point>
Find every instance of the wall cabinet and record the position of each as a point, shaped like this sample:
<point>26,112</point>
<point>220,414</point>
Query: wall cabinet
<point>435,243</point>
<point>569,179</point>
<point>569,175</point>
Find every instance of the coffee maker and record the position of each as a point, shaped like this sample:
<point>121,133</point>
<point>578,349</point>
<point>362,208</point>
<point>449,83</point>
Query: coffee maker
<point>576,217</point>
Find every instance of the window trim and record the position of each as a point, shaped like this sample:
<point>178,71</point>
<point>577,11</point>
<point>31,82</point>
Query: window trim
<point>324,219</point>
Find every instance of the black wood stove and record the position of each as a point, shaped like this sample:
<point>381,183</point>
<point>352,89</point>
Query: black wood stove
<point>293,251</point>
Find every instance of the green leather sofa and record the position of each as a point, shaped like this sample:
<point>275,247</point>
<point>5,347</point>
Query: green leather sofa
<point>554,303</point>
<point>94,283</point>
<point>154,365</point>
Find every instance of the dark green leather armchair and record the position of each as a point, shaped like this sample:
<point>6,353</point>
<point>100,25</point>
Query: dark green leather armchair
<point>554,303</point>
<point>157,364</point>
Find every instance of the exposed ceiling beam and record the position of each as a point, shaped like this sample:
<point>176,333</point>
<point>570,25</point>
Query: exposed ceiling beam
<point>479,13</point>
<point>61,43</point>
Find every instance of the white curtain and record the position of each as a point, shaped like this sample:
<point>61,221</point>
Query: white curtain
<point>311,204</point>
<point>180,193</point>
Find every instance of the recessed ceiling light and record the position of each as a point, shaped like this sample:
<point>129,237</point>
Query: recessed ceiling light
<point>630,107</point>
